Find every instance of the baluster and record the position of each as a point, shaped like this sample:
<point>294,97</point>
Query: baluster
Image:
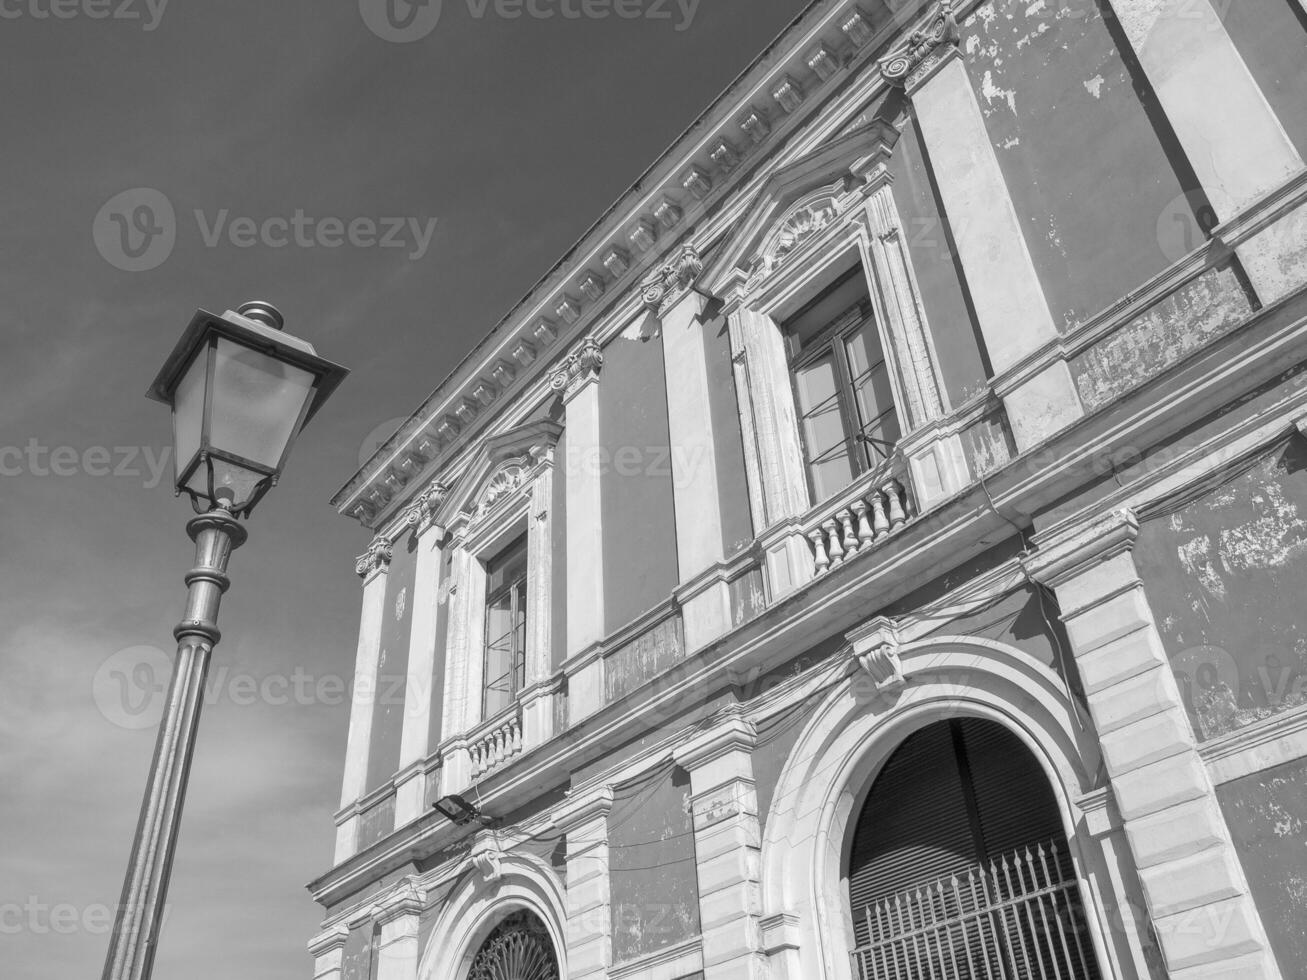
<point>517,736</point>
<point>851,542</point>
<point>897,514</point>
<point>476,759</point>
<point>832,529</point>
<point>865,532</point>
<point>819,549</point>
<point>880,523</point>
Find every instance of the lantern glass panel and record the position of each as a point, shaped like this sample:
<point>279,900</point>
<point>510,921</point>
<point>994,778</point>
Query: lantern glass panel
<point>188,410</point>
<point>258,402</point>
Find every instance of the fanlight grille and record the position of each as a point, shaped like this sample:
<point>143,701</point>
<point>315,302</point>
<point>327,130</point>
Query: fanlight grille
<point>518,949</point>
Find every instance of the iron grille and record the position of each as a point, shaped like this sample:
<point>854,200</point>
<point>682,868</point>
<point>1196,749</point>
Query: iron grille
<point>1016,917</point>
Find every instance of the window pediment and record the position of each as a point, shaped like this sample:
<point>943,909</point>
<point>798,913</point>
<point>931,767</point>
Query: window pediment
<point>798,202</point>
<point>504,468</point>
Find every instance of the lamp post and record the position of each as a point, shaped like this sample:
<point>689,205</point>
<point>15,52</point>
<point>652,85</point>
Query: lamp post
<point>240,391</point>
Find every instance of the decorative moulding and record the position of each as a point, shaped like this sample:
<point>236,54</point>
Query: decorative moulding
<point>725,155</point>
<point>924,50</point>
<point>617,261</point>
<point>668,214</point>
<point>375,559</point>
<point>579,369</point>
<point>487,856</point>
<point>698,183</point>
<point>667,284</point>
<point>823,61</point>
<point>582,807</point>
<point>875,646</point>
<point>755,124</point>
<point>545,332</point>
<point>592,287</point>
<point>856,28</point>
<point>788,94</point>
<point>644,235</point>
<point>568,310</point>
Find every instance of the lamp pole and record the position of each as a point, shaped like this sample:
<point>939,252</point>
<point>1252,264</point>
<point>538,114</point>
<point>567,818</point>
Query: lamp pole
<point>145,890</point>
<point>240,390</point>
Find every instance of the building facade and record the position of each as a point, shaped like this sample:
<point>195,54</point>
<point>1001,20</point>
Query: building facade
<point>875,551</point>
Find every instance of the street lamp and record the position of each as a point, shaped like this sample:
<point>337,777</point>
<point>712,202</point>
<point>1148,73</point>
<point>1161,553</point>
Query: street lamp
<point>240,391</point>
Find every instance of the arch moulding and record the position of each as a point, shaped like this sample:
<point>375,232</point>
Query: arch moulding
<point>830,770</point>
<point>477,905</point>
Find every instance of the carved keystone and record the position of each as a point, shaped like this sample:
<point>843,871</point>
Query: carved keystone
<point>875,646</point>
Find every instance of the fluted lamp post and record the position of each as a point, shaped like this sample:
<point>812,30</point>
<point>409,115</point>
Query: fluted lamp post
<point>240,391</point>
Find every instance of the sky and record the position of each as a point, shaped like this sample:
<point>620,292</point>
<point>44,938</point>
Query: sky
<point>277,133</point>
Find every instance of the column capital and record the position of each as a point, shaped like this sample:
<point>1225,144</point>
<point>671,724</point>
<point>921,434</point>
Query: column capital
<point>329,940</point>
<point>1070,553</point>
<point>375,559</point>
<point>734,734</point>
<point>421,516</point>
<point>579,369</point>
<point>925,49</point>
<point>583,808</point>
<point>664,287</point>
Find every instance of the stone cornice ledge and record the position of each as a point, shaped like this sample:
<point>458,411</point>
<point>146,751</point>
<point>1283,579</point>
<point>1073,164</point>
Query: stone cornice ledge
<point>733,734</point>
<point>684,958</point>
<point>582,808</point>
<point>942,538</point>
<point>329,940</point>
<point>1065,556</point>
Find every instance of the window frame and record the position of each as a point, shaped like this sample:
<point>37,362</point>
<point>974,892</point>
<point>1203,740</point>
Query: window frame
<point>832,340</point>
<point>520,602</point>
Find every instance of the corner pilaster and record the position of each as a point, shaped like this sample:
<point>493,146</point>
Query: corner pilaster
<point>1199,901</point>
<point>328,952</point>
<point>372,567</point>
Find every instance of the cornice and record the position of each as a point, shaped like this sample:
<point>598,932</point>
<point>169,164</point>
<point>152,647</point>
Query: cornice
<point>792,84</point>
<point>581,809</point>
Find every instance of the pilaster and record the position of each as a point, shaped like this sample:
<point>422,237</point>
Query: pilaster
<point>728,849</point>
<point>398,915</point>
<point>410,789</point>
<point>671,296</point>
<point>372,568</point>
<point>1197,896</point>
<point>767,402</point>
<point>1009,301</point>
<point>328,952</point>
<point>1230,135</point>
<point>578,381</point>
<point>583,819</point>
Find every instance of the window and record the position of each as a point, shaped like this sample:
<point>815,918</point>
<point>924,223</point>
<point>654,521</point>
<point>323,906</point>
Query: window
<point>846,407</point>
<point>505,658</point>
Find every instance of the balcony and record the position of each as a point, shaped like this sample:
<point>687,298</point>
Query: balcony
<point>872,509</point>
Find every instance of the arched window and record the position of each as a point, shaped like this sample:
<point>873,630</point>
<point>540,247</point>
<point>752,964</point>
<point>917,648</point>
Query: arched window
<point>519,948</point>
<point>959,867</point>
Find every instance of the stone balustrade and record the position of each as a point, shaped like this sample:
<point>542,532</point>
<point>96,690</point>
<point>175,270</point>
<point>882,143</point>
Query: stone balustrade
<point>876,507</point>
<point>496,742</point>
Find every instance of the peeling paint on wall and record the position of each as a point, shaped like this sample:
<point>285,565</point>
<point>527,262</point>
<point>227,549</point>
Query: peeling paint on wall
<point>1267,816</point>
<point>644,658</point>
<point>655,891</point>
<point>1225,576</point>
<point>1055,91</point>
<point>988,444</point>
<point>1190,318</point>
